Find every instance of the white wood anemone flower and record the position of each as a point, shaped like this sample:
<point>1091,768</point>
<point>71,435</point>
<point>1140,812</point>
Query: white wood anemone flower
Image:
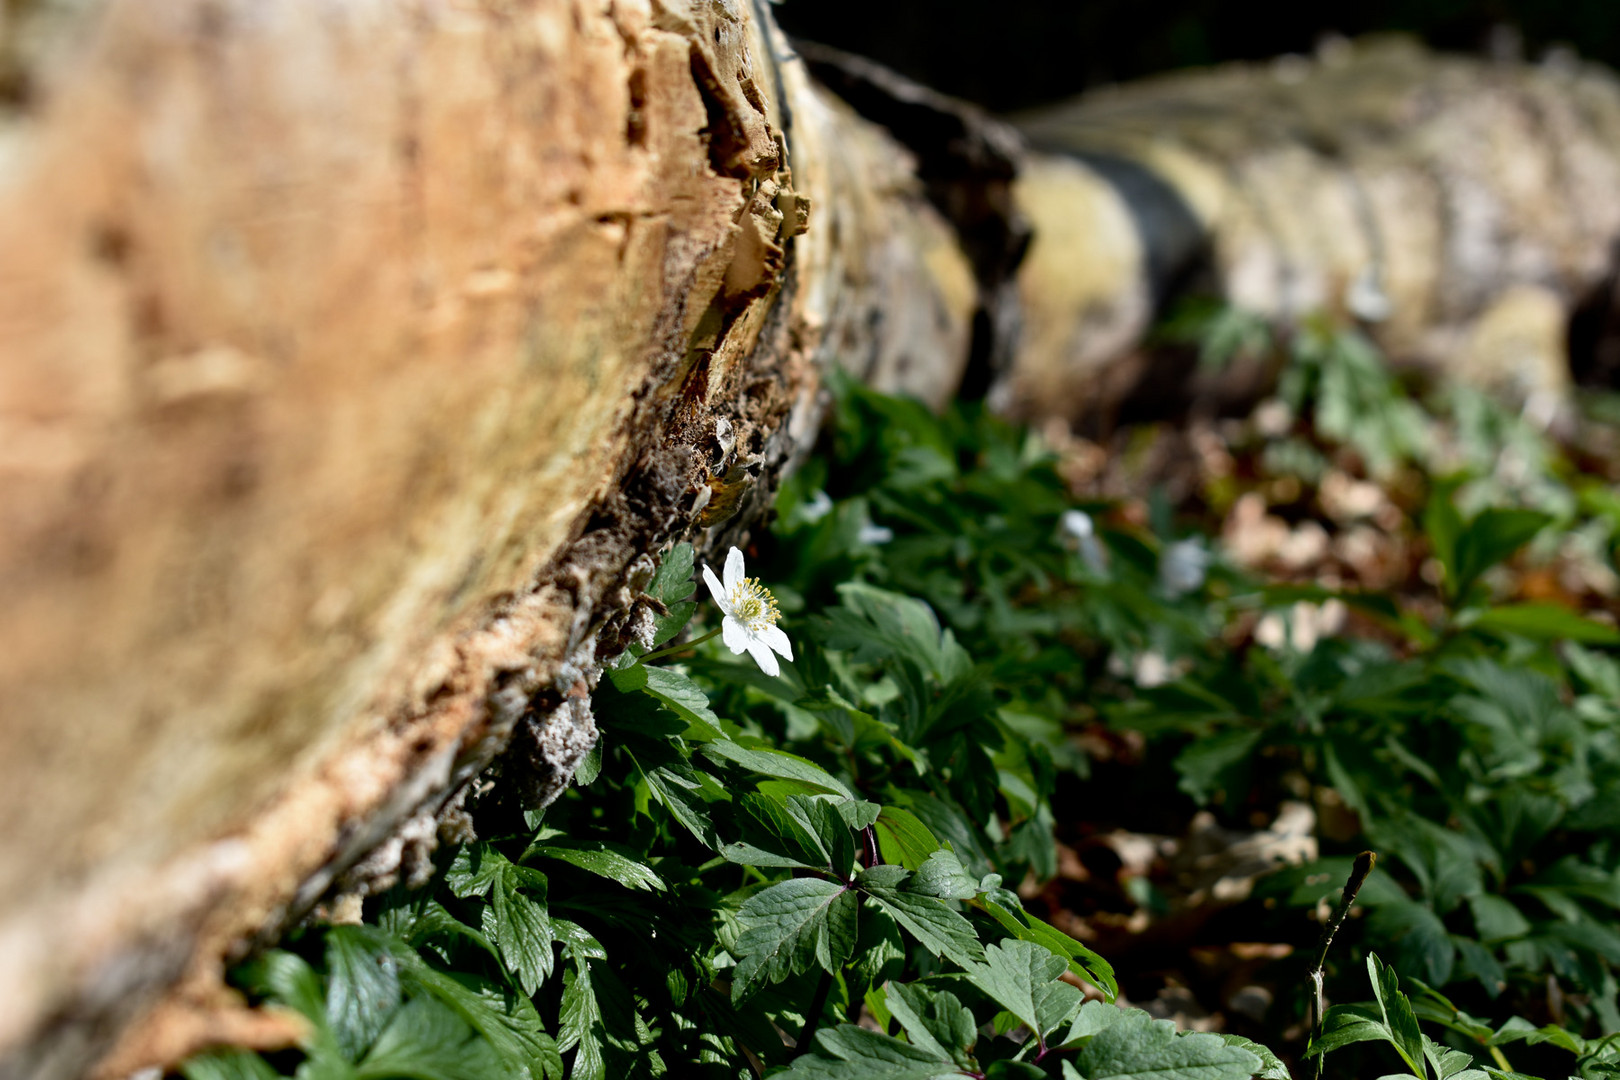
<point>751,615</point>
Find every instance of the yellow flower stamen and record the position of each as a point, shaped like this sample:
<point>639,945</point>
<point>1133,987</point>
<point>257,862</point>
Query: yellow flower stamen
<point>753,605</point>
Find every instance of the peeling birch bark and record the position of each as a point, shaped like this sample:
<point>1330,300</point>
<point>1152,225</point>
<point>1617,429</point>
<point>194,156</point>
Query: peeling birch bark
<point>1462,210</point>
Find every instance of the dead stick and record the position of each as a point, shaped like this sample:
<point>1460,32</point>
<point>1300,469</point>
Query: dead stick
<point>1358,876</point>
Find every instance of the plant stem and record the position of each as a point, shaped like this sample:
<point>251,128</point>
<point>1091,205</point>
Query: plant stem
<point>812,1018</point>
<point>678,647</point>
<point>1358,875</point>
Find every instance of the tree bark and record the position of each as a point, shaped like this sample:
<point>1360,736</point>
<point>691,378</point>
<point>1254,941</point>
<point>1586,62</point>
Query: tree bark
<point>357,358</point>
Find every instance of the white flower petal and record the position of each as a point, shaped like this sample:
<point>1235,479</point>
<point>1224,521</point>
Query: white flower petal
<point>734,569</point>
<point>734,634</point>
<point>762,656</point>
<point>1077,523</point>
<point>776,639</point>
<point>715,589</point>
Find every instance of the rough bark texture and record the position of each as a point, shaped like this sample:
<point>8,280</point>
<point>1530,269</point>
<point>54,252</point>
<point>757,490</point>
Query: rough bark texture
<point>356,357</point>
<point>1463,210</point>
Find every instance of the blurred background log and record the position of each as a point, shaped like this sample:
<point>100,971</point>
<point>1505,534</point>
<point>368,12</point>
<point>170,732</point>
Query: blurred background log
<point>1463,211</point>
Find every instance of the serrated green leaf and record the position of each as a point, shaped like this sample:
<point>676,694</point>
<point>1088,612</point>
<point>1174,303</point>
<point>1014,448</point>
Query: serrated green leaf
<point>880,952</point>
<point>427,1041</point>
<point>1346,1024</point>
<point>473,870</point>
<point>505,1018</point>
<point>1083,962</point>
<point>579,1025</point>
<point>934,1022</point>
<point>1141,1048</point>
<point>522,926</point>
<point>673,580</point>
<point>941,875</point>
<point>228,1065</point>
<point>601,857</point>
<point>1092,1017</point>
<point>677,788</point>
<point>939,928</point>
<point>903,839</point>
<point>1271,1066</point>
<point>362,986</point>
<point>1446,1064</point>
<point>1022,977</point>
<point>789,926</point>
<point>777,763</point>
<point>858,814</point>
<point>1396,1012</point>
<point>684,698</point>
<point>854,1053</point>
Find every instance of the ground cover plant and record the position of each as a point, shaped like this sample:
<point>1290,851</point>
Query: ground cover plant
<point>982,741</point>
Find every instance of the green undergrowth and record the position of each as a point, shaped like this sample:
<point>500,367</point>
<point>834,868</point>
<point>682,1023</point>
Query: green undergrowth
<point>832,872</point>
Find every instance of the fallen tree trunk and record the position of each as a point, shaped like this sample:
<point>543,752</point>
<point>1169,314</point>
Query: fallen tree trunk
<point>357,359</point>
<point>1463,212</point>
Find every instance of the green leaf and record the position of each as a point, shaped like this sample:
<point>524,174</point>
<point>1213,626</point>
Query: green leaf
<point>789,926</point>
<point>903,839</point>
<point>858,814</point>
<point>1137,1047</point>
<point>934,1022</point>
<point>880,953</point>
<point>1093,1017</point>
<point>1543,622</point>
<point>1443,524</point>
<point>942,875</point>
<point>579,1025</point>
<point>1446,1064</point>
<point>682,697</point>
<point>674,580</point>
<point>1022,977</point>
<point>521,925</point>
<point>940,929</point>
<point>1422,944</point>
<point>778,763</point>
<point>677,787</point>
<point>1493,535</point>
<point>474,870</point>
<point>859,1054</point>
<point>505,1018</point>
<point>1397,1014</point>
<point>1026,927</point>
<point>613,861</point>
<point>798,832</point>
<point>1203,763</point>
<point>427,1041</point>
<point>1346,1024</point>
<point>362,986</point>
<point>228,1065</point>
<point>1271,1066</point>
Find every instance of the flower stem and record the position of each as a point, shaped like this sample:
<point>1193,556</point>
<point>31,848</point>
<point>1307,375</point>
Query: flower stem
<point>678,647</point>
